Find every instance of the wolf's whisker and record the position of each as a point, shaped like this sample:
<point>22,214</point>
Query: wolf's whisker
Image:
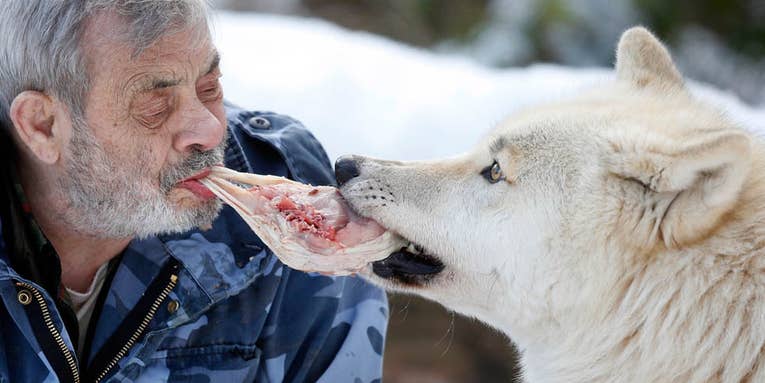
<point>405,309</point>
<point>450,331</point>
<point>496,275</point>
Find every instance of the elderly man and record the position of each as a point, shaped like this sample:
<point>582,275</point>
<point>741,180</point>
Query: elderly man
<point>108,108</point>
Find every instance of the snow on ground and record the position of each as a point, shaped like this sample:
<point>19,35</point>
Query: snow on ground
<point>361,93</point>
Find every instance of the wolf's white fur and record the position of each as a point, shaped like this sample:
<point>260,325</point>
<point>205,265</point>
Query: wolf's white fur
<point>625,244</point>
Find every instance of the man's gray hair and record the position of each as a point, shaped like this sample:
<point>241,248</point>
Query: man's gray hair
<point>40,42</point>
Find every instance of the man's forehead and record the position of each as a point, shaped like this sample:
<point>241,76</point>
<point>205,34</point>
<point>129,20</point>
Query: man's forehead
<point>180,55</point>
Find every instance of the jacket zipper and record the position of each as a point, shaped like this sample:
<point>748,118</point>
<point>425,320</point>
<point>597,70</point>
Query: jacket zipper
<point>70,360</point>
<point>141,328</point>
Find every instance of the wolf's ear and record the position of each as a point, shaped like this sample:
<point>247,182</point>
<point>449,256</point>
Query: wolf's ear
<point>643,61</point>
<point>679,191</point>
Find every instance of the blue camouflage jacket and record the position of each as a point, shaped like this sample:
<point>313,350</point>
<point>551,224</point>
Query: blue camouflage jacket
<point>206,306</point>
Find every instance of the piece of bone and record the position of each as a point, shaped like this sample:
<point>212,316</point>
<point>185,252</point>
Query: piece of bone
<point>309,228</point>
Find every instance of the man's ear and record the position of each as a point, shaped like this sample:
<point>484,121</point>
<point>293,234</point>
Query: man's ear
<point>33,116</point>
<point>680,190</point>
<point>643,61</point>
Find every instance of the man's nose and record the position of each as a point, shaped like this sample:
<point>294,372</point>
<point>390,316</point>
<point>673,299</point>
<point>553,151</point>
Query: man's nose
<point>346,168</point>
<point>201,130</point>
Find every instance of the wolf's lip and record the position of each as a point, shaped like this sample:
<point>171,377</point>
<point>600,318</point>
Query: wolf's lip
<point>407,267</point>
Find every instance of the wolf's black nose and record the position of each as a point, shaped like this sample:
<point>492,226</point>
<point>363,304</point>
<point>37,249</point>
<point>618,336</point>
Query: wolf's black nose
<point>346,168</point>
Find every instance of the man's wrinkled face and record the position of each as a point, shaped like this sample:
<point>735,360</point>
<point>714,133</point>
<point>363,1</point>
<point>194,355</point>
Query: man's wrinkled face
<point>151,120</point>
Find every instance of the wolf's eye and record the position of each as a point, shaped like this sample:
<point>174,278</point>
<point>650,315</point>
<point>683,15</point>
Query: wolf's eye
<point>493,173</point>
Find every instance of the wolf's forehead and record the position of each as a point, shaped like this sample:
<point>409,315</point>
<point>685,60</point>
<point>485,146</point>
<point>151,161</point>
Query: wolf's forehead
<point>539,133</point>
<point>590,114</point>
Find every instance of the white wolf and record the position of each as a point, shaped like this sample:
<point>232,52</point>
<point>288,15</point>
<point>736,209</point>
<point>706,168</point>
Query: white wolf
<point>616,237</point>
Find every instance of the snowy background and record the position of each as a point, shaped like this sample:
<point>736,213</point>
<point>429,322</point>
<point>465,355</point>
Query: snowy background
<point>362,93</point>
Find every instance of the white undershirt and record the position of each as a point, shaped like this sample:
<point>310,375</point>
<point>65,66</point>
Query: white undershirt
<point>83,303</point>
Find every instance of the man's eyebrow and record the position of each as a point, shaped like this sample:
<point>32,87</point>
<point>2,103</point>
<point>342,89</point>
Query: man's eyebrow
<point>214,62</point>
<point>161,83</point>
<point>150,83</point>
<point>156,83</point>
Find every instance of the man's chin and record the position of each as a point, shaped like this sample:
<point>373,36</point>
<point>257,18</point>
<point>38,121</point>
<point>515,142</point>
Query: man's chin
<point>183,198</point>
<point>191,211</point>
<point>208,213</point>
<point>180,218</point>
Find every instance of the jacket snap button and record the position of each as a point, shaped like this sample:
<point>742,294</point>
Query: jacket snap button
<point>24,297</point>
<point>260,122</point>
<point>172,306</point>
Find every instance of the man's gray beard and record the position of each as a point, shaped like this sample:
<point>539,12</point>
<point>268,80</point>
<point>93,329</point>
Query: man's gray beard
<point>110,201</point>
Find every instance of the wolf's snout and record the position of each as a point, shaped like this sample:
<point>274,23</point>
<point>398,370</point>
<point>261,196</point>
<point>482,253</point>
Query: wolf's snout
<point>346,168</point>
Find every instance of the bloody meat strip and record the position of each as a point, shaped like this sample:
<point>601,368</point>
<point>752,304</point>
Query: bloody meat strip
<point>309,228</point>
<point>305,217</point>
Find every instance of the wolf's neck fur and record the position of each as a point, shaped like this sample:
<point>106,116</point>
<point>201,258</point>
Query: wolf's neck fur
<point>687,315</point>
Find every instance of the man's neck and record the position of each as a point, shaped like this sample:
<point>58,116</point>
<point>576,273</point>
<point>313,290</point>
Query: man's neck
<point>81,257</point>
<point>80,254</point>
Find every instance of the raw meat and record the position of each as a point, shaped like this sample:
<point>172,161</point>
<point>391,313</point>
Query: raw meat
<point>310,228</point>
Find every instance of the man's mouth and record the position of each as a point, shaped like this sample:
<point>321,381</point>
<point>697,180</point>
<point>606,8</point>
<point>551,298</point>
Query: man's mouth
<point>410,266</point>
<point>193,185</point>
